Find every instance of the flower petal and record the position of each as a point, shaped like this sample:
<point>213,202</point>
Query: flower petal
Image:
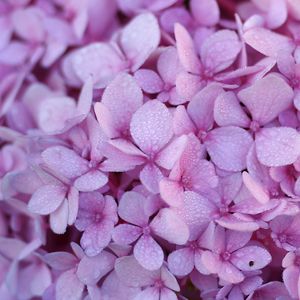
<point>277,147</point>
<point>149,81</point>
<point>148,253</point>
<point>205,12</point>
<point>228,147</point>
<point>181,262</point>
<point>125,234</point>
<point>47,199</point>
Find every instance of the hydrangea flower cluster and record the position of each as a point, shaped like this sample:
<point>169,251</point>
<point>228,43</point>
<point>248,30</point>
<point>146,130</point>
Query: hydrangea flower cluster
<point>149,150</point>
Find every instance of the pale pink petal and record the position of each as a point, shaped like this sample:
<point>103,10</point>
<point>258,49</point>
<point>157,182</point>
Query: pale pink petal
<point>99,60</point>
<point>131,208</point>
<point>181,262</point>
<point>171,192</point>
<point>186,50</point>
<point>85,97</point>
<point>148,253</point>
<point>65,161</point>
<point>60,260</point>
<point>91,269</point>
<point>205,12</point>
<point>228,111</point>
<point>166,294</point>
<point>14,54</point>
<point>201,107</point>
<point>150,177</point>
<point>151,126</point>
<point>125,234</point>
<point>277,146</point>
<point>59,219</point>
<point>181,121</point>
<point>171,154</point>
<point>251,258</point>
<point>96,237</point>
<point>220,50</point>
<point>211,261</point>
<point>90,181</point>
<point>255,188</point>
<point>68,286</point>
<point>187,85</point>
<point>268,42</point>
<point>47,199</point>
<point>277,13</point>
<point>73,203</point>
<point>251,284</point>
<point>228,147</point>
<point>28,24</point>
<point>138,46</point>
<point>149,81</point>
<point>266,98</point>
<point>238,222</point>
<point>106,120</point>
<point>168,65</point>
<point>236,240</point>
<point>230,273</point>
<point>170,227</point>
<point>169,279</point>
<point>290,278</point>
<point>6,31</point>
<point>122,97</point>
<point>196,212</point>
<point>294,9</point>
<point>131,273</point>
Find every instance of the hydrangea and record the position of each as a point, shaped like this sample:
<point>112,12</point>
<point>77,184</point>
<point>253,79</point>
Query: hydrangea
<point>149,150</point>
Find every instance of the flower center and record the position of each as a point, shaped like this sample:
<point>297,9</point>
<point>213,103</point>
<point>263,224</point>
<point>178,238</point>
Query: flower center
<point>226,256</point>
<point>146,230</point>
<point>202,135</point>
<point>254,126</point>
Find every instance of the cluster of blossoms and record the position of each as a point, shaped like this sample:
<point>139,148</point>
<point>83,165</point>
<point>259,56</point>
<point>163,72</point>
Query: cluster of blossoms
<point>149,149</point>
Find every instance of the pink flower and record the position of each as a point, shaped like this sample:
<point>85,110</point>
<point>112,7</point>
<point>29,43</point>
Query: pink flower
<point>229,256</point>
<point>166,224</point>
<point>155,284</point>
<point>96,217</point>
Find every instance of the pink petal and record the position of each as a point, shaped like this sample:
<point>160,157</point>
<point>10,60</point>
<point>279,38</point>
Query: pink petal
<point>150,177</point>
<point>277,14</point>
<point>201,106</point>
<point>138,46</point>
<point>220,50</point>
<point>211,261</point>
<point>96,237</point>
<point>238,223</point>
<point>122,97</point>
<point>91,269</point>
<point>290,278</point>
<point>73,204</point>
<point>171,192</point>
<point>61,261</point>
<point>65,161</point>
<point>91,181</point>
<point>131,208</point>
<point>205,12</point>
<point>251,258</point>
<point>171,154</point>
<point>277,146</point>
<point>125,234</point>
<point>131,273</point>
<point>151,126</point>
<point>85,97</point>
<point>187,85</point>
<point>149,81</point>
<point>59,219</point>
<point>167,294</point>
<point>228,147</point>
<point>186,50</point>
<point>68,286</point>
<point>182,122</point>
<point>169,279</point>
<point>230,273</point>
<point>150,293</point>
<point>294,10</point>
<point>267,98</point>
<point>228,111</point>
<point>99,60</point>
<point>28,24</point>
<point>148,253</point>
<point>47,199</point>
<point>196,212</point>
<point>255,188</point>
<point>170,227</point>
<point>168,65</point>
<point>268,42</point>
<point>181,262</point>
